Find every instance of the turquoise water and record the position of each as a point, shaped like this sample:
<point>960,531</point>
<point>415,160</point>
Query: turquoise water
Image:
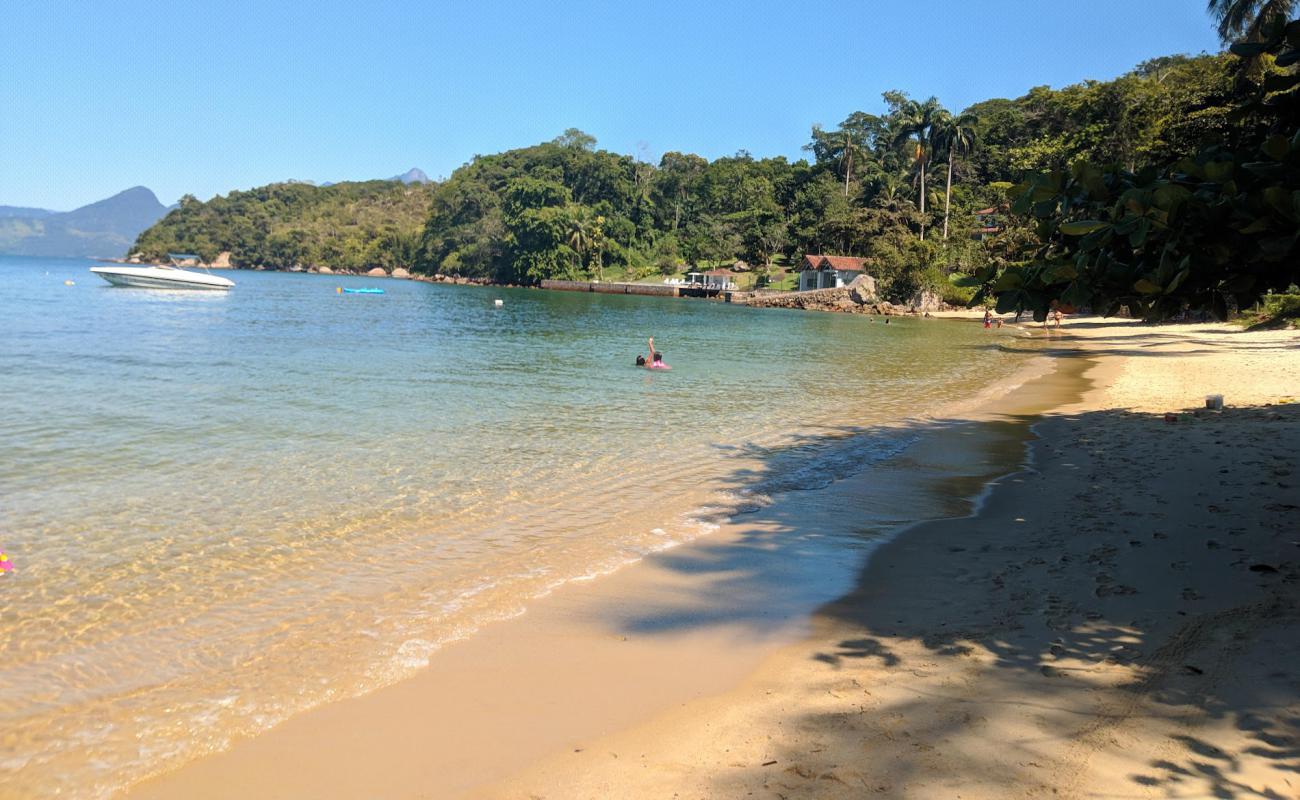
<point>224,508</point>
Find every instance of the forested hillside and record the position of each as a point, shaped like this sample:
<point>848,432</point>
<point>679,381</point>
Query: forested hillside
<point>900,188</point>
<point>343,225</point>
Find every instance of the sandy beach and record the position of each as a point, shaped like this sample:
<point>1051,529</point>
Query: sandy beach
<point>1116,616</point>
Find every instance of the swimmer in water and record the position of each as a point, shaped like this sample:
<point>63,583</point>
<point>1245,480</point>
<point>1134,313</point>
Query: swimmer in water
<point>656,358</point>
<point>640,360</point>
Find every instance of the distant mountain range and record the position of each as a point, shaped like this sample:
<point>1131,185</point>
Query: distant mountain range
<point>412,175</point>
<point>104,229</point>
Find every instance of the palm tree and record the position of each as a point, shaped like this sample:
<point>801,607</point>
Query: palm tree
<point>915,127</point>
<point>579,233</point>
<point>1248,18</point>
<point>850,147</point>
<point>597,234</point>
<point>955,135</point>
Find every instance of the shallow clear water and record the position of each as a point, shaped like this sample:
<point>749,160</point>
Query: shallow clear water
<point>224,508</point>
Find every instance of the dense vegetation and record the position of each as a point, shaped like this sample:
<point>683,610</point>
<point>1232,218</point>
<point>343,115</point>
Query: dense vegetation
<point>1213,229</point>
<point>344,225</point>
<point>900,189</point>
<point>1091,195</point>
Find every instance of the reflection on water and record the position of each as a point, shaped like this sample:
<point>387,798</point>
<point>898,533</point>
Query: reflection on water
<point>228,507</point>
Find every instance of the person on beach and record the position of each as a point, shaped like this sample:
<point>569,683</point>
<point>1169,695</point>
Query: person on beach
<point>988,316</point>
<point>1056,316</point>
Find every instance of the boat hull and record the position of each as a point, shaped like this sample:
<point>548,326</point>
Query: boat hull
<point>155,278</point>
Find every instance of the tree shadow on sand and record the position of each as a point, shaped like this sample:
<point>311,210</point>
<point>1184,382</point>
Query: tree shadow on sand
<point>1032,651</point>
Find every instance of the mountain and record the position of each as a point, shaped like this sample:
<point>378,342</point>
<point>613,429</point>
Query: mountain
<point>412,175</point>
<point>7,212</point>
<point>102,229</point>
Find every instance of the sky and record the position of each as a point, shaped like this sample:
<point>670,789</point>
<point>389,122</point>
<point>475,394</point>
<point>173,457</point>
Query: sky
<point>205,97</point>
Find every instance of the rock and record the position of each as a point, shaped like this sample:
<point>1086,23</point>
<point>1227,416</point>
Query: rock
<point>222,261</point>
<point>926,300</point>
<point>401,272</point>
<point>378,272</point>
<point>325,270</point>
<point>863,289</point>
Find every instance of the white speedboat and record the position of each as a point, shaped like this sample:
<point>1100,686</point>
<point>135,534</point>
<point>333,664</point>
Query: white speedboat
<point>159,276</point>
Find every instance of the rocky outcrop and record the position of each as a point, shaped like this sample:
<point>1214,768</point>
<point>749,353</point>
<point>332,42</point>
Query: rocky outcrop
<point>325,270</point>
<point>222,261</point>
<point>858,297</point>
<point>378,272</point>
<point>401,272</point>
<point>925,301</point>
<point>863,290</point>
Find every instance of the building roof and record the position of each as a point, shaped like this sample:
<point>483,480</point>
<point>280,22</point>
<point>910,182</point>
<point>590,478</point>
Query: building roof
<point>844,263</point>
<point>837,263</point>
<point>985,211</point>
<point>728,273</point>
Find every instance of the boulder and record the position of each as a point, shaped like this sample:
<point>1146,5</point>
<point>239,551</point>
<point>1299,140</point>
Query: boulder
<point>222,261</point>
<point>925,300</point>
<point>378,272</point>
<point>863,289</point>
<point>401,272</point>
<point>325,270</point>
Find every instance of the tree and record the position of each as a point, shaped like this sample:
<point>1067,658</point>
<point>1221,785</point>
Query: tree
<point>915,127</point>
<point>598,244</point>
<point>1249,19</point>
<point>954,135</point>
<point>579,238</point>
<point>1205,233</point>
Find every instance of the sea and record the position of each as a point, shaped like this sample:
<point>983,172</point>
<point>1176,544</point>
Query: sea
<point>225,508</point>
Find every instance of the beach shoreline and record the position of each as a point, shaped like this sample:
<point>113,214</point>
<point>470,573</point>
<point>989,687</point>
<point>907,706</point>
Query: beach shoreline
<point>719,687</point>
<point>1095,629</point>
<point>722,603</point>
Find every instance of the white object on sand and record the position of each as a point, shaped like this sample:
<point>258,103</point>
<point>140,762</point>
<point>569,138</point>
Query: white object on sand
<point>1214,402</point>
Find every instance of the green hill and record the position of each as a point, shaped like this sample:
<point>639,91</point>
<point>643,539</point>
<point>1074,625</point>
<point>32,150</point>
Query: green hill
<point>354,225</point>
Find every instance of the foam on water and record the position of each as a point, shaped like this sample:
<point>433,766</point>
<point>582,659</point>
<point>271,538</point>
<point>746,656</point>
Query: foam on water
<point>226,510</point>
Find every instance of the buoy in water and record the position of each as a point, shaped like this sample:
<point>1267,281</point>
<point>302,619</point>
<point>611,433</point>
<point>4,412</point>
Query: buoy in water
<point>338,289</point>
<point>498,302</point>
<point>69,283</point>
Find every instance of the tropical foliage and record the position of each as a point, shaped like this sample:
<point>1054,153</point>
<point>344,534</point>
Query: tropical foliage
<point>1215,230</point>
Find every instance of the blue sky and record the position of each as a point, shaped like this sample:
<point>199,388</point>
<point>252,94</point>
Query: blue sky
<point>202,98</point>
